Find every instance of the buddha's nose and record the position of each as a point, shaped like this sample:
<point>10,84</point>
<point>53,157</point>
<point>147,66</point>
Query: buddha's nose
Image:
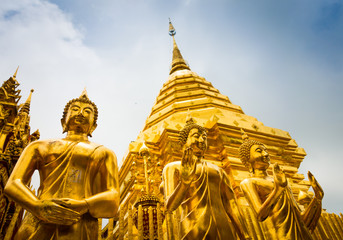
<point>82,112</point>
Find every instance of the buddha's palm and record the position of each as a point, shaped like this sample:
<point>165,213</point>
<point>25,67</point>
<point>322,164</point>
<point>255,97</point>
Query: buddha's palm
<point>318,191</point>
<point>188,166</point>
<point>279,176</point>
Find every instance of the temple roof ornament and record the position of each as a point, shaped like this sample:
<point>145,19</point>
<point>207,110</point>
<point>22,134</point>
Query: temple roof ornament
<point>26,106</point>
<point>178,63</point>
<point>15,74</point>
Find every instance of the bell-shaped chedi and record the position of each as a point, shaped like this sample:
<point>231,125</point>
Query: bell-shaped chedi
<point>186,94</point>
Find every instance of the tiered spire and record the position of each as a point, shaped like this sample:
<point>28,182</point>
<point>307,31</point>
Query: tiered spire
<point>178,63</point>
<point>26,107</point>
<point>15,74</point>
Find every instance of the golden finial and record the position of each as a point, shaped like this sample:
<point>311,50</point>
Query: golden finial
<point>29,98</point>
<point>244,135</point>
<point>172,31</point>
<point>178,63</point>
<point>26,106</point>
<point>145,153</point>
<point>15,74</point>
<point>189,118</point>
<point>144,150</point>
<point>84,94</point>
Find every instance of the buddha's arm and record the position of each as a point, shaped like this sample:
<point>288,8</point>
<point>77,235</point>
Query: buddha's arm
<point>188,166</point>
<point>105,203</point>
<point>174,200</point>
<point>232,208</point>
<point>16,187</point>
<point>173,195</point>
<point>249,188</point>
<point>262,210</point>
<point>313,212</point>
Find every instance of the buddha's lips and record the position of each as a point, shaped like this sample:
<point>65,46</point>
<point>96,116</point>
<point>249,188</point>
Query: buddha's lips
<point>80,118</point>
<point>200,146</point>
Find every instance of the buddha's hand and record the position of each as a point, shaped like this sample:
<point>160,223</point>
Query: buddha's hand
<point>318,191</point>
<point>51,212</point>
<point>79,206</point>
<point>188,166</point>
<point>279,176</point>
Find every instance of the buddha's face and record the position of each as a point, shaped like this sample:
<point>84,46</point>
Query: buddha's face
<point>80,117</point>
<point>197,140</point>
<point>259,157</point>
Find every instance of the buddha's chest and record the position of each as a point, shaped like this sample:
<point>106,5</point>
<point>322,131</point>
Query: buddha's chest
<point>71,159</point>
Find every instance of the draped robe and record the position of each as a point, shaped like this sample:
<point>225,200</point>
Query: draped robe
<point>78,172</point>
<point>203,210</point>
<point>285,220</point>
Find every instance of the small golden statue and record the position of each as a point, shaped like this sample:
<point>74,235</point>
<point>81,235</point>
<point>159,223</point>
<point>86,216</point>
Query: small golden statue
<point>209,209</point>
<point>79,180</point>
<point>271,197</point>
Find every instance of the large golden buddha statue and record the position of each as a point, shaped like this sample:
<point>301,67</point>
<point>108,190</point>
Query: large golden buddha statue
<point>78,180</point>
<point>202,190</point>
<point>271,197</point>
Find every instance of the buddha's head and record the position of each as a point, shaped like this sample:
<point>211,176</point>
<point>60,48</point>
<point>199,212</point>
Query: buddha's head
<point>80,115</point>
<point>254,155</point>
<point>194,136</point>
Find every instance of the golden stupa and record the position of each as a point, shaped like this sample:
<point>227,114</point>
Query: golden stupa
<point>186,94</point>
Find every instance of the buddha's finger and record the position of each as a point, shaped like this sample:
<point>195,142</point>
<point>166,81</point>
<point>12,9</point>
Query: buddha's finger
<point>62,210</point>
<point>62,219</point>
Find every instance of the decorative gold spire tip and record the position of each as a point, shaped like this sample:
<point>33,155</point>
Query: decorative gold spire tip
<point>144,150</point>
<point>172,31</point>
<point>189,118</point>
<point>178,63</point>
<point>26,106</point>
<point>15,74</point>
<point>84,94</point>
<point>244,135</point>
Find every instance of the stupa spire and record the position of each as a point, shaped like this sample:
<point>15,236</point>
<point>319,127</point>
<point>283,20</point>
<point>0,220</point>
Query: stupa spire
<point>26,107</point>
<point>15,74</point>
<point>178,63</point>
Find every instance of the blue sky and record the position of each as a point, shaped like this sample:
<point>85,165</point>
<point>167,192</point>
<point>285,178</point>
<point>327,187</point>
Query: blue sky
<point>281,61</point>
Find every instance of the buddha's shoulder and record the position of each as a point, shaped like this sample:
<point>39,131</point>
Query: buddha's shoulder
<point>56,143</point>
<point>98,149</point>
<point>173,166</point>
<point>46,143</point>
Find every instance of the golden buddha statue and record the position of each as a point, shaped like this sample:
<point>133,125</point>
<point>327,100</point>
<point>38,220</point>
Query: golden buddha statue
<point>78,180</point>
<point>271,197</point>
<point>202,190</point>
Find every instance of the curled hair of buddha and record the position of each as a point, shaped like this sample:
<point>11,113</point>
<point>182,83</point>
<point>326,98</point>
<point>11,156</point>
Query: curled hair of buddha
<point>84,99</point>
<point>244,149</point>
<point>190,124</point>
